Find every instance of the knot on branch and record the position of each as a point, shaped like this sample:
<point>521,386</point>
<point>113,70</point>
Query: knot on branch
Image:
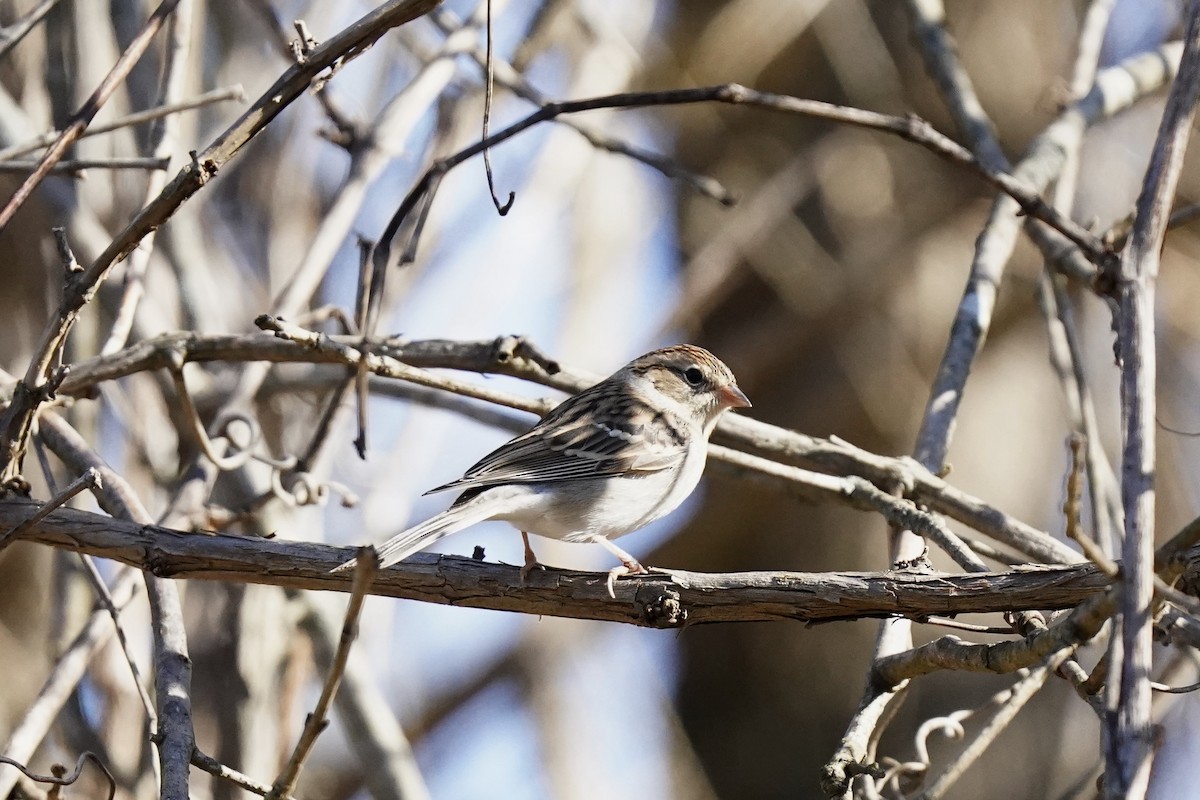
<point>732,93</point>
<point>837,774</point>
<point>661,608</point>
<point>509,348</point>
<point>157,564</point>
<point>202,169</point>
<point>16,485</point>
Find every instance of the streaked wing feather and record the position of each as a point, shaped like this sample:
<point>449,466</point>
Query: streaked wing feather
<point>565,445</point>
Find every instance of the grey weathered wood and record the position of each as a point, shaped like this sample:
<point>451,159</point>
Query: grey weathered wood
<point>658,600</point>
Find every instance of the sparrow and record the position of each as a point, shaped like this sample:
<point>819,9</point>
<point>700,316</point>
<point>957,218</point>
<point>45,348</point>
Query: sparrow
<point>605,462</point>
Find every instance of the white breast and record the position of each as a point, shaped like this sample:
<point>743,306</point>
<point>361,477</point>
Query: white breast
<point>610,507</point>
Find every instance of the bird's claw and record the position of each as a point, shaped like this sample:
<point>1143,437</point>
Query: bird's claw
<point>530,566</point>
<point>627,568</point>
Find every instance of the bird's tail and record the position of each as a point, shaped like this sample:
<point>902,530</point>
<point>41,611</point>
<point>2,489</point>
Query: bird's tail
<point>418,537</point>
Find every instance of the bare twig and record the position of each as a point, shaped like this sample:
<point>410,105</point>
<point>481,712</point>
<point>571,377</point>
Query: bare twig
<point>1129,737</point>
<point>88,480</point>
<point>656,600</point>
<point>509,77</point>
<point>1078,444</point>
<point>66,255</point>
<point>17,419</point>
<point>67,780</point>
<point>160,144</point>
<point>415,205</point>
<point>943,622</point>
<point>104,597</point>
<point>1018,696</point>
<point>1066,357</point>
<point>950,652</point>
<point>366,566</point>
<point>1160,687</point>
<point>15,32</point>
<point>347,130</point>
<point>861,494</point>
<point>68,670</point>
<point>501,208</point>
<point>172,666</point>
<point>1066,349</point>
<point>389,767</point>
<point>235,92</point>
<point>83,117</point>
<point>219,770</point>
<point>78,165</point>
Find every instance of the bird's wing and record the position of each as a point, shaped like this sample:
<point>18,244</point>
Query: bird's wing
<point>572,442</point>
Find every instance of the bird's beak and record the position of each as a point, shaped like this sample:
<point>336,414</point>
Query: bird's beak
<point>733,397</point>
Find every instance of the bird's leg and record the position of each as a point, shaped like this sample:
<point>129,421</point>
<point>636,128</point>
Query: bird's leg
<point>531,562</point>
<point>629,564</point>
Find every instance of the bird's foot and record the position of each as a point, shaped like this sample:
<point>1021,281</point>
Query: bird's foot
<point>531,562</point>
<point>630,567</point>
<point>530,565</point>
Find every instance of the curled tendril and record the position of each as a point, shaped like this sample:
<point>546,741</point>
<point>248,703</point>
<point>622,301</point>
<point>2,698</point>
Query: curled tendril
<point>949,726</point>
<point>301,488</point>
<point>895,771</point>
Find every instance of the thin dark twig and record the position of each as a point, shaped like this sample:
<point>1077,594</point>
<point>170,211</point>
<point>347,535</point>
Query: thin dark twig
<point>104,596</point>
<point>1162,687</point>
<point>424,205</point>
<point>1176,431</point>
<point>88,480</point>
<point>77,166</point>
<point>367,300</point>
<point>511,78</point>
<point>910,128</point>
<point>175,736</point>
<point>347,129</point>
<point>1071,507</point>
<point>60,780</point>
<point>489,84</point>
<point>325,424</point>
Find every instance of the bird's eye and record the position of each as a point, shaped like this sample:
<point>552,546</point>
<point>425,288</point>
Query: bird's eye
<point>693,376</point>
